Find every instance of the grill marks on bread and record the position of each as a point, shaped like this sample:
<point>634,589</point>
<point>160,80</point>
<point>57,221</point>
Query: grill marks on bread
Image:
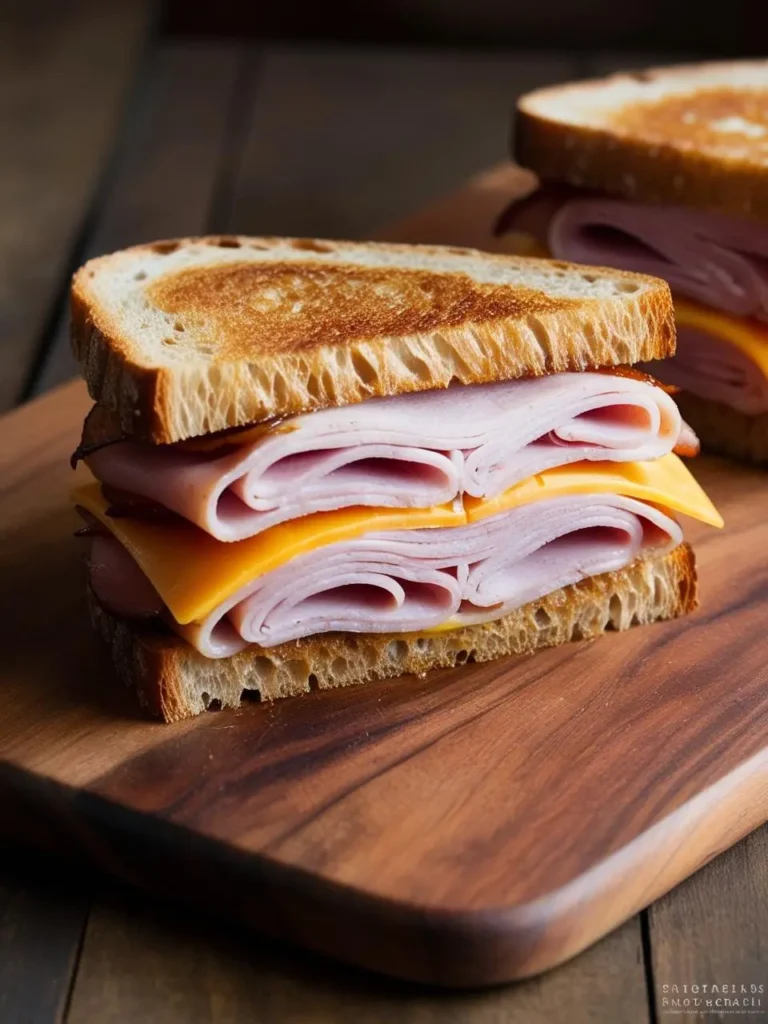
<point>295,307</point>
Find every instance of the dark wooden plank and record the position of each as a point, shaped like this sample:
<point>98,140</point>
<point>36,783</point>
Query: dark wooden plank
<point>343,141</point>
<point>168,164</point>
<point>142,965</point>
<point>64,72</point>
<point>41,925</point>
<point>713,930</point>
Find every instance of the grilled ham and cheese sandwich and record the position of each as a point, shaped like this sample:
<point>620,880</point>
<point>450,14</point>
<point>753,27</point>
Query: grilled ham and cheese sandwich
<point>320,463</point>
<point>666,173</point>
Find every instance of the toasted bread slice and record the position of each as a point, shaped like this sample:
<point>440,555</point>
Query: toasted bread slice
<point>174,681</point>
<point>693,135</point>
<point>726,431</point>
<point>188,337</point>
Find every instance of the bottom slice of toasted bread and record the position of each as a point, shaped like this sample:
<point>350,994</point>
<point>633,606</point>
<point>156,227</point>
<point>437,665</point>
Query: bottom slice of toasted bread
<point>174,681</point>
<point>726,431</point>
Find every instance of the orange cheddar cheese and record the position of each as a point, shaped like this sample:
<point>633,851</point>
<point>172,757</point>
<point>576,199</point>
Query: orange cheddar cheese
<point>194,573</point>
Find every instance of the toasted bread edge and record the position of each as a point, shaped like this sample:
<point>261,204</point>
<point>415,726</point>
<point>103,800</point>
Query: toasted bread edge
<point>164,405</point>
<point>174,682</point>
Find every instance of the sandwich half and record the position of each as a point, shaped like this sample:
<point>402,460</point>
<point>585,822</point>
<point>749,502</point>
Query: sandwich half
<point>315,464</point>
<point>665,172</point>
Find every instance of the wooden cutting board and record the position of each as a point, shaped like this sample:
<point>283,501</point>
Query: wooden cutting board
<point>473,827</point>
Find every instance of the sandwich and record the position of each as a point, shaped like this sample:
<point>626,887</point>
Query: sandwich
<point>313,464</point>
<point>666,173</point>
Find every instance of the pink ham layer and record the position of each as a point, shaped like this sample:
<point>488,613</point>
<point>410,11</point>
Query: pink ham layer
<point>409,451</point>
<point>711,368</point>
<point>719,261</point>
<point>410,580</point>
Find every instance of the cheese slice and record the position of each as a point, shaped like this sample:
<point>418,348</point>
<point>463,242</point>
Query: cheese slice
<point>666,482</point>
<point>194,573</point>
<point>749,336</point>
<point>522,243</point>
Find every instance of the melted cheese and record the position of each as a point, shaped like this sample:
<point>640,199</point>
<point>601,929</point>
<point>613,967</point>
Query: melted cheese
<point>522,243</point>
<point>665,482</point>
<point>193,572</point>
<point>749,336</point>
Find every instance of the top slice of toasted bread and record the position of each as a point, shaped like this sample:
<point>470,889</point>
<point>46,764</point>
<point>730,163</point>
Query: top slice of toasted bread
<point>693,135</point>
<point>188,337</point>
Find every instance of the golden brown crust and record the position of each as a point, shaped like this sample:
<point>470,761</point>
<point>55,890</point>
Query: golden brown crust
<point>250,339</point>
<point>726,431</point>
<point>694,136</point>
<point>283,308</point>
<point>174,682</point>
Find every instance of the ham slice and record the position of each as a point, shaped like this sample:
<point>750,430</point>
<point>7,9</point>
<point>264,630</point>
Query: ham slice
<point>409,451</point>
<point>414,580</point>
<point>718,260</point>
<point>712,368</point>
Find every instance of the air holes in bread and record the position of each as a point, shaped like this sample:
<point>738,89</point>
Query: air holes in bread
<point>141,276</point>
<point>314,387</point>
<point>263,668</point>
<point>297,671</point>
<point>397,649</point>
<point>179,326</point>
<point>227,242</point>
<point>628,287</point>
<point>163,248</point>
<point>542,618</point>
<point>310,245</point>
<point>363,368</point>
<point>169,341</point>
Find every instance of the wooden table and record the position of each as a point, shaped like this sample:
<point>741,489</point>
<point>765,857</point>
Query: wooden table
<point>112,135</point>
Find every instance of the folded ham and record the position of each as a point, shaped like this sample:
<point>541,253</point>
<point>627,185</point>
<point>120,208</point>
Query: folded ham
<point>712,368</point>
<point>410,580</point>
<point>409,451</point>
<point>718,260</point>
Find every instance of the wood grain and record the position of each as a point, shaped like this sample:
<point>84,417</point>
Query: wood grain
<point>41,925</point>
<point>409,813</point>
<point>64,72</point>
<point>710,930</point>
<point>144,966</point>
<point>167,168</point>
